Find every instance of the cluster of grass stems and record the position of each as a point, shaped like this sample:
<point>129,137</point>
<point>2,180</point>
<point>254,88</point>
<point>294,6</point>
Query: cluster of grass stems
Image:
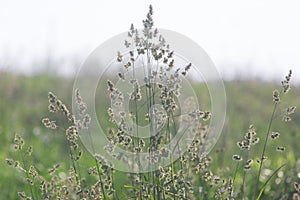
<point>189,177</point>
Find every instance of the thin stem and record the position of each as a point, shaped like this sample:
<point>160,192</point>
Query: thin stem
<point>175,130</point>
<point>237,168</point>
<point>27,176</point>
<point>100,178</point>
<point>97,165</point>
<point>235,172</point>
<point>244,178</point>
<point>264,148</point>
<point>74,164</point>
<point>137,122</point>
<point>243,185</point>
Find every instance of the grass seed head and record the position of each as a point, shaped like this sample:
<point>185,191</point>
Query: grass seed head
<point>276,96</point>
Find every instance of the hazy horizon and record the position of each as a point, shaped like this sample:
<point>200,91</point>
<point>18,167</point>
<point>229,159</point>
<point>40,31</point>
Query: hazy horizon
<point>249,39</point>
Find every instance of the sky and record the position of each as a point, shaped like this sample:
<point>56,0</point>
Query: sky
<point>244,38</point>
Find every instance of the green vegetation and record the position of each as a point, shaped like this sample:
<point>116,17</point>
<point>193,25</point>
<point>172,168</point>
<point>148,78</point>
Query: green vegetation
<point>24,103</point>
<point>256,157</point>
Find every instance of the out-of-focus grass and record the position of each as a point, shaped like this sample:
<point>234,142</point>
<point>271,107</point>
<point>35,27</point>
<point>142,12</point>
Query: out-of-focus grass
<point>23,103</point>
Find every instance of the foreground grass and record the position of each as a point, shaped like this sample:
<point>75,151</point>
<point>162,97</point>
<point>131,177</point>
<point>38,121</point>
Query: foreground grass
<point>23,104</point>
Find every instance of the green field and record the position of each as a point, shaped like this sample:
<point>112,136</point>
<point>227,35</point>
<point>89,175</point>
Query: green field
<point>23,104</point>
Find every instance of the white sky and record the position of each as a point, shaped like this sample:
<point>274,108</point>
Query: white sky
<point>251,37</point>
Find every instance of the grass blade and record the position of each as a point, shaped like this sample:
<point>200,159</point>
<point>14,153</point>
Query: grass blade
<point>263,187</point>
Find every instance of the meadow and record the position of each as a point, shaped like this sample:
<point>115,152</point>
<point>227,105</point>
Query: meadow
<point>43,140</point>
<point>24,103</point>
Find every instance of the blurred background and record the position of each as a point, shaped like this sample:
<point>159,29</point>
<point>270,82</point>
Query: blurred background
<point>245,39</point>
<point>43,43</point>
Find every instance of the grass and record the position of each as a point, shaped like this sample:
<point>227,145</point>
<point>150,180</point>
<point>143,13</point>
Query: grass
<point>60,167</point>
<point>251,107</point>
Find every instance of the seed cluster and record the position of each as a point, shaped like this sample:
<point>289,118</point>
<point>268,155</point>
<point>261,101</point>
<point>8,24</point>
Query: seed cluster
<point>286,83</point>
<point>288,112</point>
<point>246,144</point>
<point>249,139</point>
